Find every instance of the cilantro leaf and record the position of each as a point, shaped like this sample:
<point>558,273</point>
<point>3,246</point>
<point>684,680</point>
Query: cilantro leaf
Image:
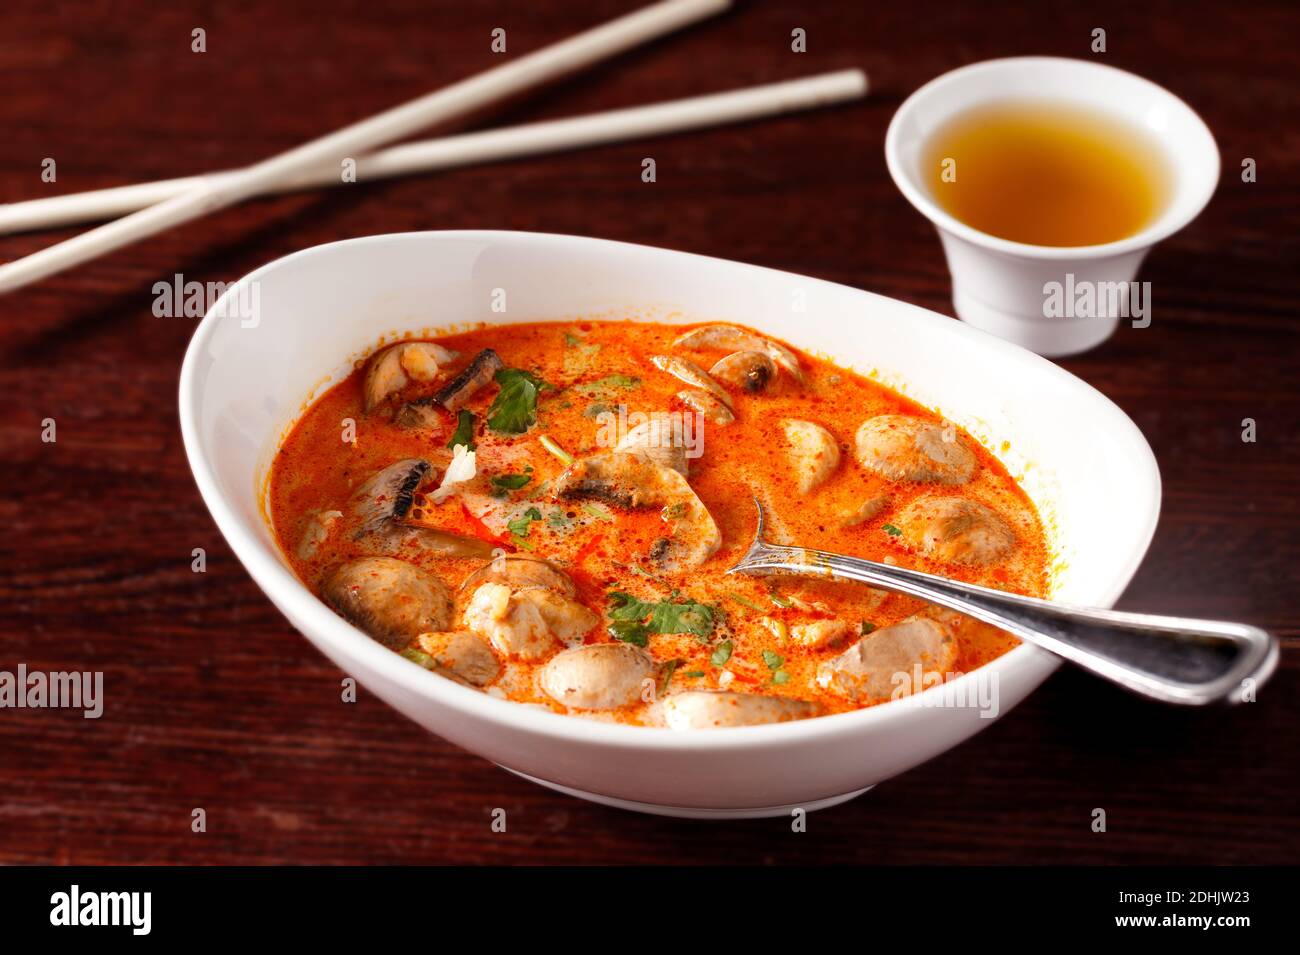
<point>630,631</point>
<point>892,531</point>
<point>664,616</point>
<point>687,617</point>
<point>520,526</point>
<point>464,433</point>
<point>514,409</point>
<point>626,607</point>
<point>773,660</point>
<point>512,482</point>
<point>722,654</point>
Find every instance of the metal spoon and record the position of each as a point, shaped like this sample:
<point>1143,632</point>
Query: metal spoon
<point>1172,659</point>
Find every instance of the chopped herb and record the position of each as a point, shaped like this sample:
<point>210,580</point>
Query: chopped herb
<point>689,617</point>
<point>667,676</point>
<point>664,616</point>
<point>604,385</point>
<point>420,657</point>
<point>694,674</point>
<point>520,526</point>
<point>778,628</point>
<point>596,409</point>
<point>624,606</point>
<point>867,627</point>
<point>780,676</point>
<point>630,631</point>
<point>599,513</point>
<point>558,519</point>
<point>514,409</point>
<point>464,433</point>
<point>549,444</point>
<point>512,482</point>
<point>892,531</point>
<point>722,654</point>
<point>773,660</point>
<point>779,600</point>
<point>745,603</point>
<point>579,355</point>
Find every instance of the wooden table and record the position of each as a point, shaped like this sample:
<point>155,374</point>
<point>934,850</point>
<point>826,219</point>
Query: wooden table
<point>214,702</point>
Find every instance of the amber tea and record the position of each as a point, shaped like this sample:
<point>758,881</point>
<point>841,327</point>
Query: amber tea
<point>1047,173</point>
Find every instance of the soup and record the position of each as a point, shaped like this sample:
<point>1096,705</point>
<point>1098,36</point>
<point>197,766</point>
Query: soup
<point>1047,173</point>
<point>544,512</point>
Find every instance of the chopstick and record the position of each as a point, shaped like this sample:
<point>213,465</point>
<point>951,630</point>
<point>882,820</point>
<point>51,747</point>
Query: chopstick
<point>512,142</point>
<point>365,136</point>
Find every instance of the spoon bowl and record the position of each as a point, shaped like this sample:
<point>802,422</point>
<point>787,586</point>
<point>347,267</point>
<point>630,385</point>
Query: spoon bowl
<point>1171,659</point>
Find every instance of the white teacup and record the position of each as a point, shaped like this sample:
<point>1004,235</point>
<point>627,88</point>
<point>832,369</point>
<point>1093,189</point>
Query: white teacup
<point>1003,286</point>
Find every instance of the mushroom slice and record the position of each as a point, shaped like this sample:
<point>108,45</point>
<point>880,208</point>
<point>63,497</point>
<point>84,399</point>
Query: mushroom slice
<point>864,511</point>
<point>461,655</point>
<point>393,368</point>
<point>822,633</point>
<point>955,529</point>
<point>390,599</point>
<point>662,439</point>
<point>423,413</point>
<point>737,339</point>
<point>814,453</point>
<point>907,448</point>
<point>518,571</point>
<point>885,663</point>
<point>705,709</point>
<point>528,624</point>
<point>441,542</point>
<point>602,676</point>
<point>714,411</point>
<point>629,479</point>
<point>389,494</point>
<point>384,504</point>
<point>750,371</point>
<point>686,370</point>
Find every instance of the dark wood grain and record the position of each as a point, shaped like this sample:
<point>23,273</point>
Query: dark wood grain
<point>214,702</point>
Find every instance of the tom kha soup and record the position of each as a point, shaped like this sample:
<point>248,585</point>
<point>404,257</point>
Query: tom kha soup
<point>1047,173</point>
<point>544,513</point>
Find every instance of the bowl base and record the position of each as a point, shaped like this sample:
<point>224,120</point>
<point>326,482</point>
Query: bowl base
<point>690,812</point>
<point>1050,337</point>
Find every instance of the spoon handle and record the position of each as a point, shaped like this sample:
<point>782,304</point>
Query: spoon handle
<point>1173,659</point>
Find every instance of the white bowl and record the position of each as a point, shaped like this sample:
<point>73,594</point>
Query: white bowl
<point>244,383</point>
<point>997,284</point>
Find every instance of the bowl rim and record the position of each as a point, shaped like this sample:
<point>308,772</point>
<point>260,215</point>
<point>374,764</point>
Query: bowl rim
<point>1165,225</point>
<point>284,589</point>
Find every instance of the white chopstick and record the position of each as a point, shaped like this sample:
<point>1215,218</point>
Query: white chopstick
<point>365,136</point>
<point>493,145</point>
